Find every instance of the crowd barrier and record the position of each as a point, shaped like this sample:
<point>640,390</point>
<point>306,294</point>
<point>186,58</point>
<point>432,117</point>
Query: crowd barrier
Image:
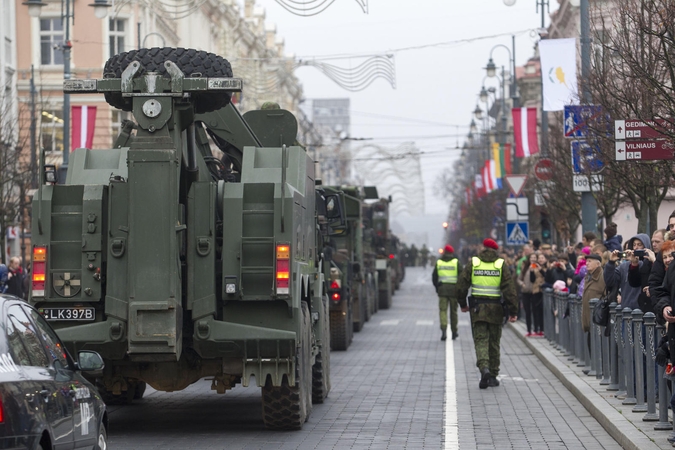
<point>621,355</point>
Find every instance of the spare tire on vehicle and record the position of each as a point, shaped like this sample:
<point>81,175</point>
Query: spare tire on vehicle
<point>190,61</point>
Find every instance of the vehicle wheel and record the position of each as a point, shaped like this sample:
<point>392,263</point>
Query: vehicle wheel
<point>384,298</point>
<point>102,440</point>
<point>189,61</point>
<point>339,333</point>
<point>321,367</point>
<point>285,407</point>
<point>139,390</point>
<point>361,306</point>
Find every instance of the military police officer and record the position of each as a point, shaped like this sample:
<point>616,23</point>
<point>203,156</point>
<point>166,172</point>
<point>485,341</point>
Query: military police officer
<point>444,278</point>
<point>490,280</point>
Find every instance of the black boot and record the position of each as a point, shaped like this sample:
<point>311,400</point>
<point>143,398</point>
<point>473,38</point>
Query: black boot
<point>455,335</point>
<point>444,335</point>
<point>493,381</point>
<point>484,378</point>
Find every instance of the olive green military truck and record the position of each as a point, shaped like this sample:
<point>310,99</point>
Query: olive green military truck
<point>177,262</point>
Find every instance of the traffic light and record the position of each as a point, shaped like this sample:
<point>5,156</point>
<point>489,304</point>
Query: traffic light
<point>546,230</point>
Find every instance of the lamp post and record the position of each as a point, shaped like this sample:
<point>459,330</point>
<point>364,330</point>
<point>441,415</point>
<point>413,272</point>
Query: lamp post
<point>68,13</point>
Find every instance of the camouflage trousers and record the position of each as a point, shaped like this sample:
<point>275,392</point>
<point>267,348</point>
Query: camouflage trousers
<point>486,338</point>
<point>443,303</point>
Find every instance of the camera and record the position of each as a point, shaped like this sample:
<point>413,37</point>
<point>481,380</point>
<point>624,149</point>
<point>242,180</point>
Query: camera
<point>671,313</point>
<point>639,253</point>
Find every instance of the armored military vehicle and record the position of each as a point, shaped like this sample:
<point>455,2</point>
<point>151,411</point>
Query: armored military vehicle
<point>378,215</point>
<point>349,288</point>
<point>178,263</point>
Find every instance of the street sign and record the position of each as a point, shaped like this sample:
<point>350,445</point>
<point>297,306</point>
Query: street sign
<point>543,170</point>
<point>580,183</point>
<point>655,150</point>
<point>517,209</point>
<point>578,117</point>
<point>517,233</point>
<point>516,183</point>
<point>638,129</point>
<point>586,158</point>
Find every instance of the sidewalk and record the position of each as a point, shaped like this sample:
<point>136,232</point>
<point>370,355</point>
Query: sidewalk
<point>626,427</point>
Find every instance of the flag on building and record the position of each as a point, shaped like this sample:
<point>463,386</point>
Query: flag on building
<point>498,156</point>
<point>494,181</point>
<point>478,185</point>
<point>507,159</point>
<point>525,131</point>
<point>559,73</point>
<point>487,178</point>
<point>83,119</point>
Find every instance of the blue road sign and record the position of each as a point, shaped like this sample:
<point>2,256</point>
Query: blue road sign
<point>578,117</point>
<point>586,157</point>
<point>517,233</point>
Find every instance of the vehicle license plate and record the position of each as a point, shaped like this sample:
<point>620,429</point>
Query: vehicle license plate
<point>75,313</point>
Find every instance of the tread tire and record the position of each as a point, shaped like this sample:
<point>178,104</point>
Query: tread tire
<point>285,407</point>
<point>189,61</point>
<point>339,331</point>
<point>321,368</point>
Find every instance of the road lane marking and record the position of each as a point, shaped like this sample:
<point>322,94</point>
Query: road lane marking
<point>450,422</point>
<point>390,322</point>
<point>424,322</point>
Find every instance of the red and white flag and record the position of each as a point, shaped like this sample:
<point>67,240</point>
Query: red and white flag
<point>487,179</point>
<point>525,131</point>
<point>83,120</point>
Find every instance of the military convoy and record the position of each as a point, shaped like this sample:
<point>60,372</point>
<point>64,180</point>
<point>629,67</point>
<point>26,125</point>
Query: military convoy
<point>178,263</point>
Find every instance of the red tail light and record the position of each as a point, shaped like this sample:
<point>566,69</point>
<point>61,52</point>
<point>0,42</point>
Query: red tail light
<point>283,266</point>
<point>335,285</point>
<point>335,296</point>
<point>39,273</point>
<point>391,256</point>
<point>2,412</point>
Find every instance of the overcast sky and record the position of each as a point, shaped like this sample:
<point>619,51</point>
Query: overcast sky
<point>440,48</point>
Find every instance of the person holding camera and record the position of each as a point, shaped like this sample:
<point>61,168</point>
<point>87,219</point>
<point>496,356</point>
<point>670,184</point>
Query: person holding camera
<point>616,273</point>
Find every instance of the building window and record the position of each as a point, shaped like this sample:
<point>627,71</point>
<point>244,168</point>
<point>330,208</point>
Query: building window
<point>51,41</point>
<point>51,131</point>
<point>117,32</point>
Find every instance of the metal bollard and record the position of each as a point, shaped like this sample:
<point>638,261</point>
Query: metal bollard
<point>569,307</point>
<point>572,300</point>
<point>663,423</point>
<point>591,353</point>
<point>583,352</point>
<point>628,358</point>
<point>552,329</point>
<point>563,317</point>
<point>650,323</point>
<point>547,309</point>
<point>621,341</point>
<point>598,351</point>
<point>613,349</point>
<point>638,351</point>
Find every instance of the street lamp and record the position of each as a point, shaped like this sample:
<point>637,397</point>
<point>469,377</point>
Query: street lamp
<point>478,113</point>
<point>483,94</point>
<point>473,128</point>
<point>67,8</point>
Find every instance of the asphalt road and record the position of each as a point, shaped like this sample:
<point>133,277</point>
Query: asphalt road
<point>388,392</point>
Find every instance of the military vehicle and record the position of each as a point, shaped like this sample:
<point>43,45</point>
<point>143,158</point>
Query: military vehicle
<point>378,215</point>
<point>350,289</point>
<point>176,264</point>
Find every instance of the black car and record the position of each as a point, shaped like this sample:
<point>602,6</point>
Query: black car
<point>45,402</point>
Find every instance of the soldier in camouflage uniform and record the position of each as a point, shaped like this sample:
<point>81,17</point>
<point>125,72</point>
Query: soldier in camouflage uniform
<point>490,280</point>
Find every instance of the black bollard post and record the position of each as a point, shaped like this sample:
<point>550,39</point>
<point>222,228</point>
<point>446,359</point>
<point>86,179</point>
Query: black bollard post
<point>591,353</point>
<point>663,423</point>
<point>638,351</point>
<point>628,358</point>
<point>650,323</point>
<point>613,349</point>
<point>621,343</point>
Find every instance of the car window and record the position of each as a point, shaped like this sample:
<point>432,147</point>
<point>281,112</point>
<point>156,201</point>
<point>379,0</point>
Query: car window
<point>53,345</point>
<point>24,344</point>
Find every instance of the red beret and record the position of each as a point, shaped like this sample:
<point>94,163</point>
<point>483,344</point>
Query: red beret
<point>449,249</point>
<point>490,243</point>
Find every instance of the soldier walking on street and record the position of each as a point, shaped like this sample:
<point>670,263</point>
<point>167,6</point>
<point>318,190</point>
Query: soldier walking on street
<point>489,279</point>
<point>444,278</point>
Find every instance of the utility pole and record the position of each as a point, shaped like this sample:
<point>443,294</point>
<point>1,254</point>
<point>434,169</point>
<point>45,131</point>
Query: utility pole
<point>544,115</point>
<point>589,207</point>
<point>33,132</point>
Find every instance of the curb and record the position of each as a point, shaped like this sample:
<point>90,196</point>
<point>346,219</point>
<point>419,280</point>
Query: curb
<point>616,424</point>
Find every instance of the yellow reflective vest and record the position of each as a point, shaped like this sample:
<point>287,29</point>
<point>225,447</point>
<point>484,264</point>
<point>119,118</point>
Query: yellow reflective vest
<point>447,271</point>
<point>486,277</point>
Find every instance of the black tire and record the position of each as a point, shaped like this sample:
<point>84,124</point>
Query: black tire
<point>384,298</point>
<point>288,407</point>
<point>339,331</point>
<point>321,368</point>
<point>139,390</point>
<point>360,304</point>
<point>101,439</point>
<point>189,61</point>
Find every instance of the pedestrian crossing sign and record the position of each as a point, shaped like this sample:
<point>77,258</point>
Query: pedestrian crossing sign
<point>517,233</point>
